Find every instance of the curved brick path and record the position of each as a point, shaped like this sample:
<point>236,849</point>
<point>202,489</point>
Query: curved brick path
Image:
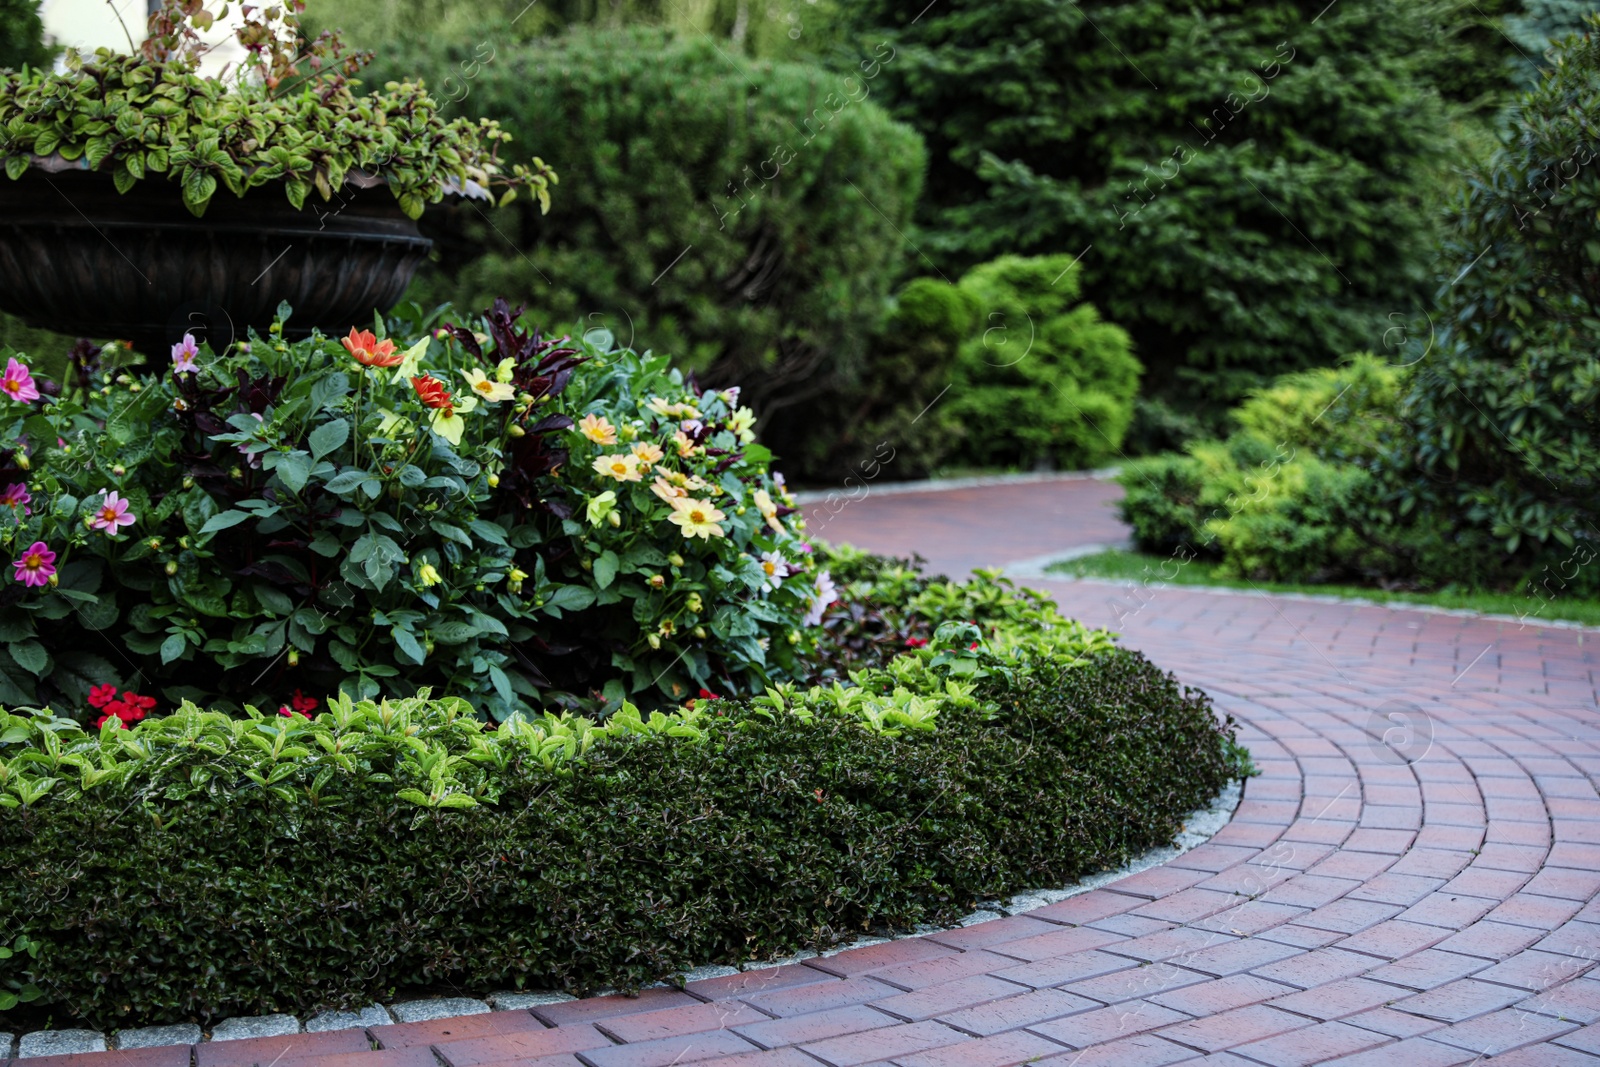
<point>1414,902</point>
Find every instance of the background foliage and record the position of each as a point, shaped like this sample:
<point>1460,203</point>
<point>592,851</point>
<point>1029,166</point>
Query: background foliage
<point>1505,443</point>
<point>1252,182</point>
<point>745,216</point>
<point>22,35</point>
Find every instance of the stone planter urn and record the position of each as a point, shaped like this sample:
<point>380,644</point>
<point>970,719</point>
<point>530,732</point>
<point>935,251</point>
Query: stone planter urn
<point>78,257</point>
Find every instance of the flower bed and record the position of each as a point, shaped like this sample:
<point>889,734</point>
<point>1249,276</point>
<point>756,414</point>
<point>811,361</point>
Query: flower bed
<point>519,521</point>
<point>201,865</point>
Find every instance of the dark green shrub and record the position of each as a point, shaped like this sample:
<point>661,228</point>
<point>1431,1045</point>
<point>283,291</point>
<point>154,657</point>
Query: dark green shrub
<point>1504,452</point>
<point>1003,368</point>
<point>1533,30</point>
<point>22,35</point>
<point>1047,382</point>
<point>200,866</point>
<point>748,218</point>
<point>891,422</point>
<point>1244,180</point>
<point>1161,501</point>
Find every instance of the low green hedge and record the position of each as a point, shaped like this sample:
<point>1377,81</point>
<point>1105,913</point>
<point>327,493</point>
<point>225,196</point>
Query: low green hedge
<point>199,866</point>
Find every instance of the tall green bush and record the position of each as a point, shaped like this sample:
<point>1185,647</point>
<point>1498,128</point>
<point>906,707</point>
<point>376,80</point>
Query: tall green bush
<point>747,216</point>
<point>1506,445</point>
<point>1245,180</point>
<point>22,35</point>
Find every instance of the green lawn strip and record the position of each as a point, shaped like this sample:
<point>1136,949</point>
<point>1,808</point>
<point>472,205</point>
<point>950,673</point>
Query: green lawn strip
<point>1122,565</point>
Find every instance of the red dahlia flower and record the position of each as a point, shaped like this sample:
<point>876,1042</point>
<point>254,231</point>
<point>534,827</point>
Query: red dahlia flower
<point>432,393</point>
<point>369,351</point>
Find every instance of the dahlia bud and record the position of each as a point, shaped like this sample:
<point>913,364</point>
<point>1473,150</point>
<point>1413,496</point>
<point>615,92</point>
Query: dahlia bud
<point>657,581</point>
<point>614,519</point>
<point>183,542</point>
<point>514,579</point>
<point>517,430</point>
<point>293,657</point>
<point>119,470</point>
<point>653,640</point>
<point>171,568</point>
<point>494,481</point>
<point>695,603</point>
<point>22,460</point>
<point>154,543</point>
<point>700,632</point>
<point>188,483</point>
<point>675,559</point>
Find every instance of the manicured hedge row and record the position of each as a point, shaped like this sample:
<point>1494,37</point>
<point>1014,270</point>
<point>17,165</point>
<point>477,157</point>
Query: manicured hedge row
<point>222,867</point>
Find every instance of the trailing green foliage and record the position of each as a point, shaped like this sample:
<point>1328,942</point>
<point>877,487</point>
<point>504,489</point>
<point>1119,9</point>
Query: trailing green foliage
<point>1245,181</point>
<point>748,217</point>
<point>888,605</point>
<point>136,118</point>
<point>1504,452</point>
<point>308,864</point>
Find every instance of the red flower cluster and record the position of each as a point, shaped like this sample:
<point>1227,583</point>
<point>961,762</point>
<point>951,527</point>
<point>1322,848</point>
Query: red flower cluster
<point>299,704</point>
<point>916,642</point>
<point>127,710</point>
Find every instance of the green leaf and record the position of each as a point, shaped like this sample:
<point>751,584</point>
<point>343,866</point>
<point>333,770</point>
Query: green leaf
<point>274,600</point>
<point>30,656</point>
<point>571,598</point>
<point>293,469</point>
<point>605,568</point>
<point>453,632</point>
<point>173,647</point>
<point>489,531</point>
<point>408,646</point>
<point>224,521</point>
<point>346,481</point>
<point>329,389</point>
<point>328,436</point>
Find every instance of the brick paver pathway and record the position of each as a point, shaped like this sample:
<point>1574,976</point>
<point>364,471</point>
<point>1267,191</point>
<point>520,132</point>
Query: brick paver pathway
<point>1412,880</point>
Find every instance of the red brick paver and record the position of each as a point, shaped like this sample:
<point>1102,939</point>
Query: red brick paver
<point>1412,878</point>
